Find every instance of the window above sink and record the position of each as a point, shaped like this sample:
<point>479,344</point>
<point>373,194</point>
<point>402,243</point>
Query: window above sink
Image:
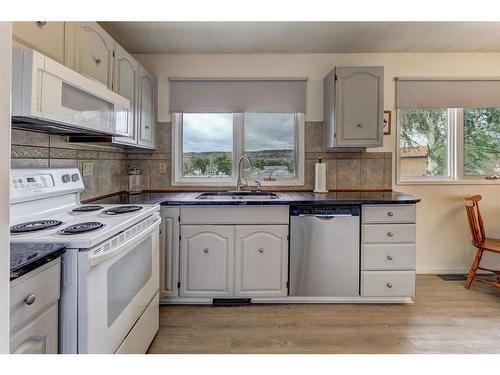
<point>207,146</point>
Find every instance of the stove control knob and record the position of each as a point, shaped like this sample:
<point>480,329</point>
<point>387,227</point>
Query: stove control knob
<point>65,178</point>
<point>75,177</point>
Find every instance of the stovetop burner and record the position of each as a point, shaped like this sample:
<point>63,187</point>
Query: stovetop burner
<point>122,210</point>
<point>87,208</point>
<point>33,226</point>
<point>81,228</point>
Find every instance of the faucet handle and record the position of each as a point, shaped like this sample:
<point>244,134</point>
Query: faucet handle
<point>257,182</point>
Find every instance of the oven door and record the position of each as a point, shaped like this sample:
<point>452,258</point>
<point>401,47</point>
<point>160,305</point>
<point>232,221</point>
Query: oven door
<point>116,284</point>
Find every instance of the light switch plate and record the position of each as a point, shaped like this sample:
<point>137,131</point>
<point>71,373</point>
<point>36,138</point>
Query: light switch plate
<point>87,168</point>
<point>163,167</point>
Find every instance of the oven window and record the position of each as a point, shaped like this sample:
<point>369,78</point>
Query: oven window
<point>127,277</point>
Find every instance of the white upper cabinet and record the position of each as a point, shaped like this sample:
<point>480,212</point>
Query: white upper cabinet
<point>147,108</point>
<point>125,78</point>
<point>354,107</point>
<point>206,257</point>
<point>44,37</point>
<point>89,51</point>
<point>261,260</point>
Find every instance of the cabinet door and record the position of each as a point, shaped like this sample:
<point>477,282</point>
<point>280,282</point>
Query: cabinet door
<point>169,252</point>
<point>206,260</point>
<point>261,260</point>
<point>147,108</point>
<point>37,336</point>
<point>90,51</point>
<point>359,103</point>
<point>125,78</point>
<point>45,37</point>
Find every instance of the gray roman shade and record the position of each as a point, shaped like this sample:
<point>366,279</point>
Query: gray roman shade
<point>447,92</point>
<point>238,95</point>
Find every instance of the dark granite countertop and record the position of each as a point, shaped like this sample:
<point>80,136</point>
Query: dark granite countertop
<point>27,257</point>
<point>284,198</point>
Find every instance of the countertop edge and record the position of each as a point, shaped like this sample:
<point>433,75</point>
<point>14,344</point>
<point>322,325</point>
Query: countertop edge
<point>31,266</point>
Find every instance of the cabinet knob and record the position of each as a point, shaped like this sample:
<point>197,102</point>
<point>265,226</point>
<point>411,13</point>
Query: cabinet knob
<point>390,213</point>
<point>360,125</point>
<point>205,250</point>
<point>30,300</point>
<point>390,234</point>
<point>41,23</point>
<point>98,61</point>
<point>389,285</point>
<point>389,257</point>
<point>146,127</point>
<point>261,250</point>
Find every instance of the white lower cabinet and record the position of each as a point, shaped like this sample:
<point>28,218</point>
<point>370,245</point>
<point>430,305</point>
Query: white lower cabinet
<point>261,259</point>
<point>34,311</point>
<point>206,260</point>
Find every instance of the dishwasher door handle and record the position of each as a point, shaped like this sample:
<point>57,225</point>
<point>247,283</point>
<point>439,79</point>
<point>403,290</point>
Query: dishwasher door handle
<point>325,217</point>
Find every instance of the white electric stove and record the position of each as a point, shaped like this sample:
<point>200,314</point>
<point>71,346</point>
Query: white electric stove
<point>110,280</point>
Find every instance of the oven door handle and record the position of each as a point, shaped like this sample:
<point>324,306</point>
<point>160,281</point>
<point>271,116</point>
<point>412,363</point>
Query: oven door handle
<point>95,259</point>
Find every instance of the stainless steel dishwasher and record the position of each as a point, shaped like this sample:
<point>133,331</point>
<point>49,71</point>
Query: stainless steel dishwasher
<point>324,251</point>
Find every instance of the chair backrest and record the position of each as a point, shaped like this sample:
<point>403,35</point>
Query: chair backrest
<point>475,219</point>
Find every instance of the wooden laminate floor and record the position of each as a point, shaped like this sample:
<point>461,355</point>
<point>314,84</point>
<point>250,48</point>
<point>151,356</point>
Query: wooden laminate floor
<point>445,318</point>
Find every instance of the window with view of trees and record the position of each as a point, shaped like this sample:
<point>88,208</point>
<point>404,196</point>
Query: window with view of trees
<point>210,144</point>
<point>449,144</point>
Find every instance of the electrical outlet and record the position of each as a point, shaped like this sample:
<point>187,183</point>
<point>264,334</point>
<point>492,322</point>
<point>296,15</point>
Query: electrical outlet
<point>87,168</point>
<point>163,167</point>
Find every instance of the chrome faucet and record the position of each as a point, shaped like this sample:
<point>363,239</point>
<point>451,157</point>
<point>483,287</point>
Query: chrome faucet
<point>238,172</point>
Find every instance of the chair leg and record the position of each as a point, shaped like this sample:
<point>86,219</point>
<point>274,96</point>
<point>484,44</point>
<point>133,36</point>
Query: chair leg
<point>473,268</point>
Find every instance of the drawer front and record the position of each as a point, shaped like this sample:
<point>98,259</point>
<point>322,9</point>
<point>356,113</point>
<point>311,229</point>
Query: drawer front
<point>234,215</point>
<point>389,233</point>
<point>388,283</point>
<point>42,283</point>
<point>404,213</point>
<point>388,257</point>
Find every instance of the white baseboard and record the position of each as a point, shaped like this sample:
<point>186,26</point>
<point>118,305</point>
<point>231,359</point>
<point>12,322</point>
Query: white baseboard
<point>443,270</point>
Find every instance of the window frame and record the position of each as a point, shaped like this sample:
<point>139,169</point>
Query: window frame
<point>455,157</point>
<point>238,150</point>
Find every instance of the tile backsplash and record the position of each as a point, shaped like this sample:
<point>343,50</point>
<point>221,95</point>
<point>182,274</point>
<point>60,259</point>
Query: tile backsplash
<point>353,170</point>
<point>31,149</point>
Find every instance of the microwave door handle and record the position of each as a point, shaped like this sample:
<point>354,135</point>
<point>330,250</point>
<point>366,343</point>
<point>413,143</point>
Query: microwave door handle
<point>96,259</point>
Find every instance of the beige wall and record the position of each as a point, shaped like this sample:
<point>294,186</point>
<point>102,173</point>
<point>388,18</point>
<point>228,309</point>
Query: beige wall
<point>443,243</point>
<point>5,72</point>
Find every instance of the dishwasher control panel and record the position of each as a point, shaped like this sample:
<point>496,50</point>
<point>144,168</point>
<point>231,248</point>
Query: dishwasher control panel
<point>324,211</point>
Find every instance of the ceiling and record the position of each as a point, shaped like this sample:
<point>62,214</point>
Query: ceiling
<point>305,37</point>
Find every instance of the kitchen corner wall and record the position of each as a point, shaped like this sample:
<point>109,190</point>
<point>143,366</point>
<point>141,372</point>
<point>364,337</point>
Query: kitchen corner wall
<point>30,149</point>
<point>354,170</point>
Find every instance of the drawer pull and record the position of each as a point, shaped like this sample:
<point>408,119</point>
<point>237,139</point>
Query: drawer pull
<point>261,250</point>
<point>389,257</point>
<point>390,234</point>
<point>360,125</point>
<point>30,300</point>
<point>41,23</point>
<point>389,285</point>
<point>205,250</point>
<point>390,213</point>
<point>98,61</point>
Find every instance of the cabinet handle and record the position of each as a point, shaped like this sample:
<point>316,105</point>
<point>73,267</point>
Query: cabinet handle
<point>98,61</point>
<point>146,127</point>
<point>390,234</point>
<point>261,250</point>
<point>390,213</point>
<point>360,125</point>
<point>41,23</point>
<point>205,250</point>
<point>30,300</point>
<point>389,285</point>
<point>389,257</point>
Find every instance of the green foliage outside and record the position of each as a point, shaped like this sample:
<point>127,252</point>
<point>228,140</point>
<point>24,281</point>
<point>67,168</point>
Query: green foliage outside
<point>428,128</point>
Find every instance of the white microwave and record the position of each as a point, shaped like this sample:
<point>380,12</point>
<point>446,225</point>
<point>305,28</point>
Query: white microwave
<point>48,96</point>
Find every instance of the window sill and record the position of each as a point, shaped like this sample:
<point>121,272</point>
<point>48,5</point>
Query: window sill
<point>449,182</point>
<point>231,182</point>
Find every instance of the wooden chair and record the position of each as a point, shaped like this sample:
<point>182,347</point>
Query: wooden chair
<point>480,241</point>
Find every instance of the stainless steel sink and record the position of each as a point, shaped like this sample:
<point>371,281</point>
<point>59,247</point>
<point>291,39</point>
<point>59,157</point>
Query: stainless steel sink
<point>242,195</point>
